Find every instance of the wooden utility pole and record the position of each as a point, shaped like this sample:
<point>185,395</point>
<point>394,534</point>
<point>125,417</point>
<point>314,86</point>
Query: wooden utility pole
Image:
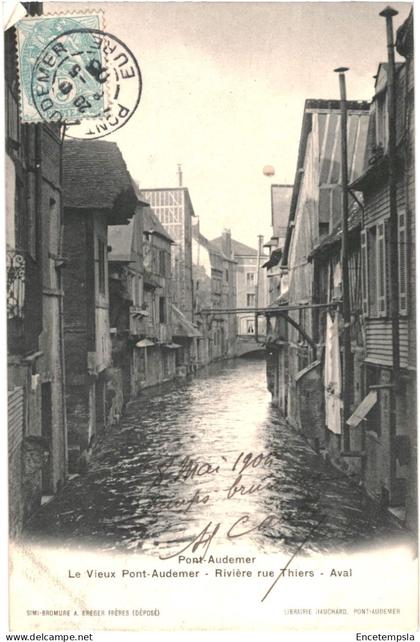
<point>257,283</point>
<point>347,378</point>
<point>388,14</point>
<point>392,242</point>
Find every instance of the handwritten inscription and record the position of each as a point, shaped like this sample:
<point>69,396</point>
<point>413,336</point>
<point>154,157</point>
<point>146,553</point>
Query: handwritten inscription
<point>205,480</point>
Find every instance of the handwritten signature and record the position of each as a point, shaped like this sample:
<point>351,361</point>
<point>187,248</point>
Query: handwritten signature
<point>204,539</point>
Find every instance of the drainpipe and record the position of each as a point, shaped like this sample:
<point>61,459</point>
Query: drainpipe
<point>347,356</point>
<point>388,14</point>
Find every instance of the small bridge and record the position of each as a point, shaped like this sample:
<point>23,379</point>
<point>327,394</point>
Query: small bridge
<point>246,345</point>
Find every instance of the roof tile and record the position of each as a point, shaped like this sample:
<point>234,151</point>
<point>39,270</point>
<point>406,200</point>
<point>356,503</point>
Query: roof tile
<point>96,177</point>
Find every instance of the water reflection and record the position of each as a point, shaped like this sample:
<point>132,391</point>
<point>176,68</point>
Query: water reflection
<point>209,450</point>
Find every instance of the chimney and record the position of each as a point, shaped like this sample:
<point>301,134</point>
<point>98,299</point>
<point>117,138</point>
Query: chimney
<point>227,243</point>
<point>179,175</point>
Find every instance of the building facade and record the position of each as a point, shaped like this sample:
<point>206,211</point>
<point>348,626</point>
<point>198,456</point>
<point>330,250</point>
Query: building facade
<point>175,212</point>
<point>214,294</point>
<point>229,298</point>
<point>281,196</point>
<point>376,441</point>
<point>36,400</point>
<point>276,284</point>
<point>251,285</point>
<point>98,192</point>
<point>155,354</point>
<point>389,296</point>
<point>315,212</point>
<point>127,309</point>
<point>173,208</point>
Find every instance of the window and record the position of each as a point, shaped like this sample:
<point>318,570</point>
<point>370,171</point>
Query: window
<point>250,300</point>
<point>217,286</point>
<point>141,364</point>
<point>227,276</point>
<point>133,289</point>
<point>139,290</point>
<point>324,228</point>
<point>372,276</point>
<point>402,261</point>
<point>250,278</point>
<point>162,309</point>
<point>101,266</point>
<point>250,326</point>
<point>375,270</point>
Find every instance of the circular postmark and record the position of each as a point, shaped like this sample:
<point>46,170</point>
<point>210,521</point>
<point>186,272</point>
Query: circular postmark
<point>88,80</point>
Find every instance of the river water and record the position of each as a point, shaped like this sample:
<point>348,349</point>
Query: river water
<point>209,455</point>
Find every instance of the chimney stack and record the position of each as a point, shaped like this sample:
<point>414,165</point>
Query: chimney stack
<point>227,243</point>
<point>179,175</point>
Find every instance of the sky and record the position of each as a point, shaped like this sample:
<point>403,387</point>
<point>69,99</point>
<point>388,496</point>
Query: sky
<point>224,86</point>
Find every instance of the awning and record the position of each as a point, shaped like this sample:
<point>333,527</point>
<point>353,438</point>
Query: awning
<point>145,343</point>
<point>363,409</point>
<point>172,346</point>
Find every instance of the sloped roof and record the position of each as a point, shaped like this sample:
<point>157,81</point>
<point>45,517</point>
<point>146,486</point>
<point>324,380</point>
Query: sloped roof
<point>405,41</point>
<point>212,247</point>
<point>328,241</point>
<point>181,326</point>
<point>152,224</point>
<point>281,197</point>
<point>357,111</point>
<point>382,73</point>
<point>238,248</point>
<point>95,176</point>
<point>375,167</point>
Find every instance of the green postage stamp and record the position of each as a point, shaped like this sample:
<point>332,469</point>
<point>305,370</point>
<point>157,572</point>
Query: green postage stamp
<point>61,68</point>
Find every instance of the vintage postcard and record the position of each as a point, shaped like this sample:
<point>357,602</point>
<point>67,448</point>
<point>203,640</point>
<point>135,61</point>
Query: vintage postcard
<point>211,317</point>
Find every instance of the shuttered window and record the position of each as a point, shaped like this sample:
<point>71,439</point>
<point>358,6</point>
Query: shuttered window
<point>402,261</point>
<point>381,269</point>
<point>375,270</point>
<point>365,278</point>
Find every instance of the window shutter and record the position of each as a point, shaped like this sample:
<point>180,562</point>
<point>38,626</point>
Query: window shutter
<point>365,280</point>
<point>402,261</point>
<point>381,269</point>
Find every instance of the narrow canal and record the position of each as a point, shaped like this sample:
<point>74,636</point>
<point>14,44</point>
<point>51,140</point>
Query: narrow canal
<point>209,452</point>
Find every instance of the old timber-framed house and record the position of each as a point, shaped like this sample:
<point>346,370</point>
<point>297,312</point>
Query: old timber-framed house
<point>389,413</point>
<point>98,192</point>
<point>37,434</point>
<point>314,213</point>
